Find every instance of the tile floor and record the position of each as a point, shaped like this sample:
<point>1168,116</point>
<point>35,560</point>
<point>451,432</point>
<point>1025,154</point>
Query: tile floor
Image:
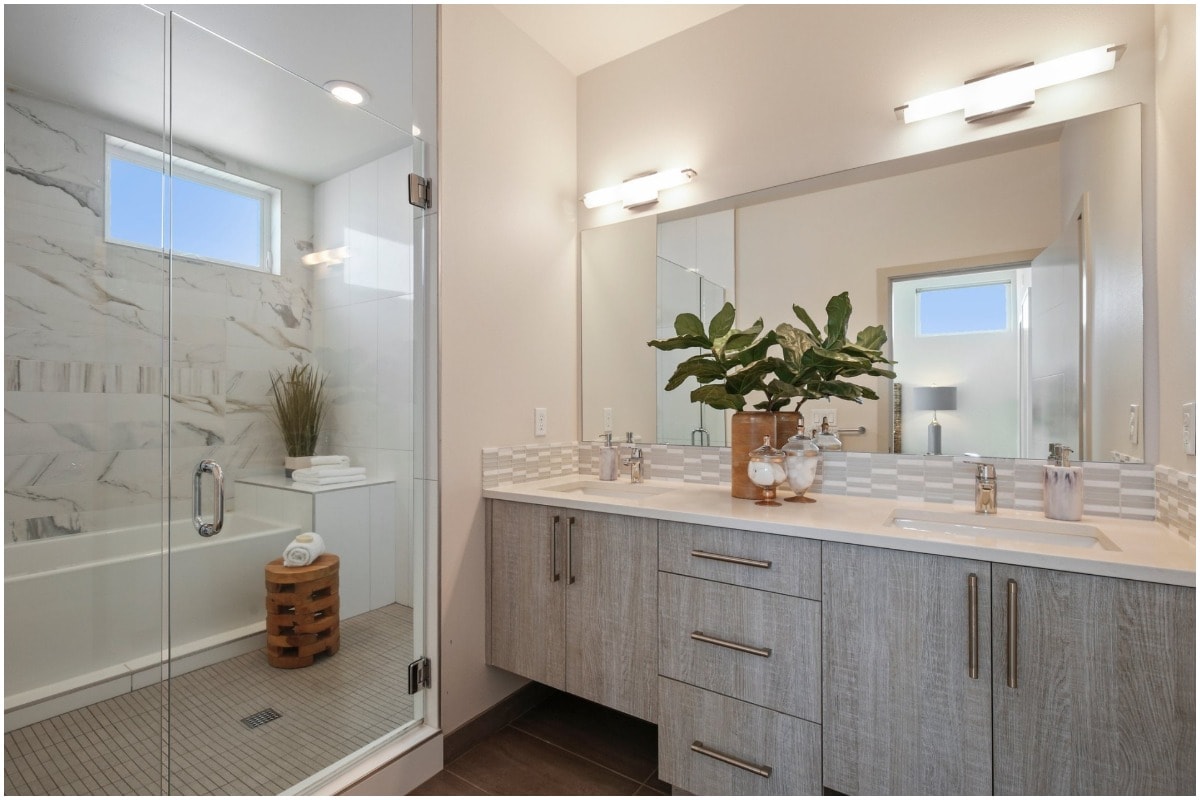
<point>563,746</point>
<point>329,710</point>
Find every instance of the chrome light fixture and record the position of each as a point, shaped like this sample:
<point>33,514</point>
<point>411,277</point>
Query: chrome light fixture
<point>640,190</point>
<point>1011,88</point>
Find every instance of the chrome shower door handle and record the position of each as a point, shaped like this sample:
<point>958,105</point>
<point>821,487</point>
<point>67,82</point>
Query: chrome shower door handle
<point>209,528</point>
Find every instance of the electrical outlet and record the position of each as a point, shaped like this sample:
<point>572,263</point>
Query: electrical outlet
<point>539,422</point>
<point>608,420</point>
<point>1189,429</point>
<point>814,416</point>
<point>1133,423</point>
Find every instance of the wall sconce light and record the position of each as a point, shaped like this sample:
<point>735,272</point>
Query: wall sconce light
<point>935,399</point>
<point>640,190</point>
<point>1010,89</point>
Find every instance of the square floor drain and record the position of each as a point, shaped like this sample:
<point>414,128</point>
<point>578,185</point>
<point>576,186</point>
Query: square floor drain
<point>261,718</point>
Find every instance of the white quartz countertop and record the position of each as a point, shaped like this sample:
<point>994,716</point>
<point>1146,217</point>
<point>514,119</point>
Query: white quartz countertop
<point>1144,550</point>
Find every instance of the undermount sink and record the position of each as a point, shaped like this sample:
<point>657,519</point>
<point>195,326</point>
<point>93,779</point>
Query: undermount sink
<point>979,527</point>
<point>609,489</point>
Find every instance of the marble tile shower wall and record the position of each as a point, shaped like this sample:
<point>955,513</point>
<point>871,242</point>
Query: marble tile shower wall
<point>84,326</point>
<point>1113,490</point>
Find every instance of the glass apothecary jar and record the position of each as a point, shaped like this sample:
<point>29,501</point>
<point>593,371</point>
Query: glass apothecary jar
<point>801,458</point>
<point>766,471</point>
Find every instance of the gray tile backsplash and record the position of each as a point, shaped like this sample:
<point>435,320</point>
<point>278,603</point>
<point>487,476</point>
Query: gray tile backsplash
<point>1131,491</point>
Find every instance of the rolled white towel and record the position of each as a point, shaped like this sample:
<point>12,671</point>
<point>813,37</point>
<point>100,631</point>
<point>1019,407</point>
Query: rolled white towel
<point>303,550</point>
<point>327,472</point>
<point>335,461</point>
<point>329,480</point>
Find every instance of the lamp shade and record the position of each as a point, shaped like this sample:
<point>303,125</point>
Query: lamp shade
<point>935,398</point>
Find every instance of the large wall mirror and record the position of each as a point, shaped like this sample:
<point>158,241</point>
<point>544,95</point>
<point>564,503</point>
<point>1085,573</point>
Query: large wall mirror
<point>1009,270</point>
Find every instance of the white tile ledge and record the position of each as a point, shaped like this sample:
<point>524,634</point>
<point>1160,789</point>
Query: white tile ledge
<point>1148,550</point>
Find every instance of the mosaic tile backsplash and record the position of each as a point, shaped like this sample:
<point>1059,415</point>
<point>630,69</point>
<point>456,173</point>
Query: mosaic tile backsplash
<point>1131,491</point>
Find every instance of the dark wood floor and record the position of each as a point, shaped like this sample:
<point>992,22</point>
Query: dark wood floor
<point>563,746</point>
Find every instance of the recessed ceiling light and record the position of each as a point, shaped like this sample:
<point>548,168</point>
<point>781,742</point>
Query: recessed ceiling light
<point>348,92</point>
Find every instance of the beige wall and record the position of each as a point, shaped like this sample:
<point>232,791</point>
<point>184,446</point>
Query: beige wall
<point>1176,225</point>
<point>508,300</point>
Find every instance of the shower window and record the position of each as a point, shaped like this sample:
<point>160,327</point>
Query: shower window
<point>967,308</point>
<point>218,217</point>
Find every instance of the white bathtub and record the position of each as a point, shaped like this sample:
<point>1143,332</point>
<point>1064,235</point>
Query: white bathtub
<point>84,613</point>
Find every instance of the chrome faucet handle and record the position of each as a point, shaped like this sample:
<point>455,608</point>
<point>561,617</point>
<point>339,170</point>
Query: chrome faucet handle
<point>984,470</point>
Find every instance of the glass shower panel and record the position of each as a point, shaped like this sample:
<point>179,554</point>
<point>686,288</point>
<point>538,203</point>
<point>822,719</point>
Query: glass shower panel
<point>333,292</point>
<point>84,627</point>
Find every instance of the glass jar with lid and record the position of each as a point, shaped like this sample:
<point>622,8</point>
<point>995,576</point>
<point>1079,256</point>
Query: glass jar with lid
<point>801,458</point>
<point>766,471</point>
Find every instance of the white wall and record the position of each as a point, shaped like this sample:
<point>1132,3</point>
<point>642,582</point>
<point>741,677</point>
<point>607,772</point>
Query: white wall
<point>1176,225</point>
<point>508,311</point>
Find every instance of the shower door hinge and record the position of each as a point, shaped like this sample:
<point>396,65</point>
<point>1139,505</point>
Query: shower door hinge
<point>418,191</point>
<point>420,675</point>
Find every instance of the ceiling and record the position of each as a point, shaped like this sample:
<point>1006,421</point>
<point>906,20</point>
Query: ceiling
<point>583,37</point>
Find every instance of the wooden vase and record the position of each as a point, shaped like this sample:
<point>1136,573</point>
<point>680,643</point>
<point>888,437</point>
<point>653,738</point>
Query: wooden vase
<point>746,432</point>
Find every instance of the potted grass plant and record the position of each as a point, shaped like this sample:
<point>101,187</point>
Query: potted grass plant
<point>298,408</point>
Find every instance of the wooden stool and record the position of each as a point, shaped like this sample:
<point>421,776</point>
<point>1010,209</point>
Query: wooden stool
<point>302,612</point>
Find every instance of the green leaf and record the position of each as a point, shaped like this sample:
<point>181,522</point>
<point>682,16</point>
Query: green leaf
<point>807,320</point>
<point>680,343</point>
<point>722,323</point>
<point>717,397</point>
<point>689,325</point>
<point>838,310</point>
<point>872,338</point>
<point>700,367</point>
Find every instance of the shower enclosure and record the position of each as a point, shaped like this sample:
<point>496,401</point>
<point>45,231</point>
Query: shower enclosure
<point>183,221</point>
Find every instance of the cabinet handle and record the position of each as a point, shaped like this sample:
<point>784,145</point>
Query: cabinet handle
<point>762,771</point>
<point>700,636</point>
<point>570,561</point>
<point>973,626</point>
<point>554,574</point>
<point>746,562</point>
<point>1012,634</point>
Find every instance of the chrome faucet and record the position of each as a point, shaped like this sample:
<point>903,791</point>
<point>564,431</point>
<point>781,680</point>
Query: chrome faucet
<point>985,488</point>
<point>634,460</point>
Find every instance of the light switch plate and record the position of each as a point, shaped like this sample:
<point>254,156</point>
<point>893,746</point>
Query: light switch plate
<point>1189,429</point>
<point>539,422</point>
<point>814,415</point>
<point>1133,423</point>
<point>608,420</point>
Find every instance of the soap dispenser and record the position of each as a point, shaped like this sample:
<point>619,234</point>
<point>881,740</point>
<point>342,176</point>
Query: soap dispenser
<point>608,458</point>
<point>1062,485</point>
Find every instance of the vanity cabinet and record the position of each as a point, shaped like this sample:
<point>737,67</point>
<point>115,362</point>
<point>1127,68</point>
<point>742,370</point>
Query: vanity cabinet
<point>572,602</point>
<point>1098,696</point>
<point>739,660</point>
<point>907,672</point>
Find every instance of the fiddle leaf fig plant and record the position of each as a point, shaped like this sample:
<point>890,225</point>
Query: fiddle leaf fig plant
<point>816,362</point>
<point>733,362</point>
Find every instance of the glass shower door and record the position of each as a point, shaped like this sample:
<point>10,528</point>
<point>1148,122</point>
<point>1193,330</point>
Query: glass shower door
<point>85,288</point>
<point>292,254</point>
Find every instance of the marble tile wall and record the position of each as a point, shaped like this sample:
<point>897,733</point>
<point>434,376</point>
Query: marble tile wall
<point>1114,490</point>
<point>85,326</point>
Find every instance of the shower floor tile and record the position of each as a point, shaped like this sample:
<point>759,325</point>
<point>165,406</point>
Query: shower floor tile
<point>327,711</point>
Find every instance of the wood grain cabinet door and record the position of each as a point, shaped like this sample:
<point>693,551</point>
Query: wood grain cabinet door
<point>612,611</point>
<point>526,554</point>
<point>1104,700</point>
<point>906,684</point>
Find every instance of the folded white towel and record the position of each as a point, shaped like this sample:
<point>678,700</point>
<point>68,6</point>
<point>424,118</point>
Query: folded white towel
<point>303,550</point>
<point>327,480</point>
<point>337,461</point>
<point>327,472</point>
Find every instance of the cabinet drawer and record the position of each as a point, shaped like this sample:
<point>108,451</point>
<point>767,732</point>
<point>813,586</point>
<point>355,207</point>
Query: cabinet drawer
<point>757,646</point>
<point>701,732</point>
<point>759,560</point>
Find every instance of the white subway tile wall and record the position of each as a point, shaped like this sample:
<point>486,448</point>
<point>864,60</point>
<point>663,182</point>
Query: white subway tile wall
<point>1130,491</point>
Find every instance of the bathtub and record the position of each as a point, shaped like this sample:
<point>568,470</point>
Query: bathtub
<point>84,613</point>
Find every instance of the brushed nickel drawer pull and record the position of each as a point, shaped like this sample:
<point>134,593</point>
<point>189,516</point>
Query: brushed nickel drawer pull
<point>973,626</point>
<point>570,542</point>
<point>554,573</point>
<point>1012,634</point>
<point>745,562</point>
<point>700,636</point>
<point>762,771</point>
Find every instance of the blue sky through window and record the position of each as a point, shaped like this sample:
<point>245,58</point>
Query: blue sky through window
<point>982,308</point>
<point>209,222</point>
